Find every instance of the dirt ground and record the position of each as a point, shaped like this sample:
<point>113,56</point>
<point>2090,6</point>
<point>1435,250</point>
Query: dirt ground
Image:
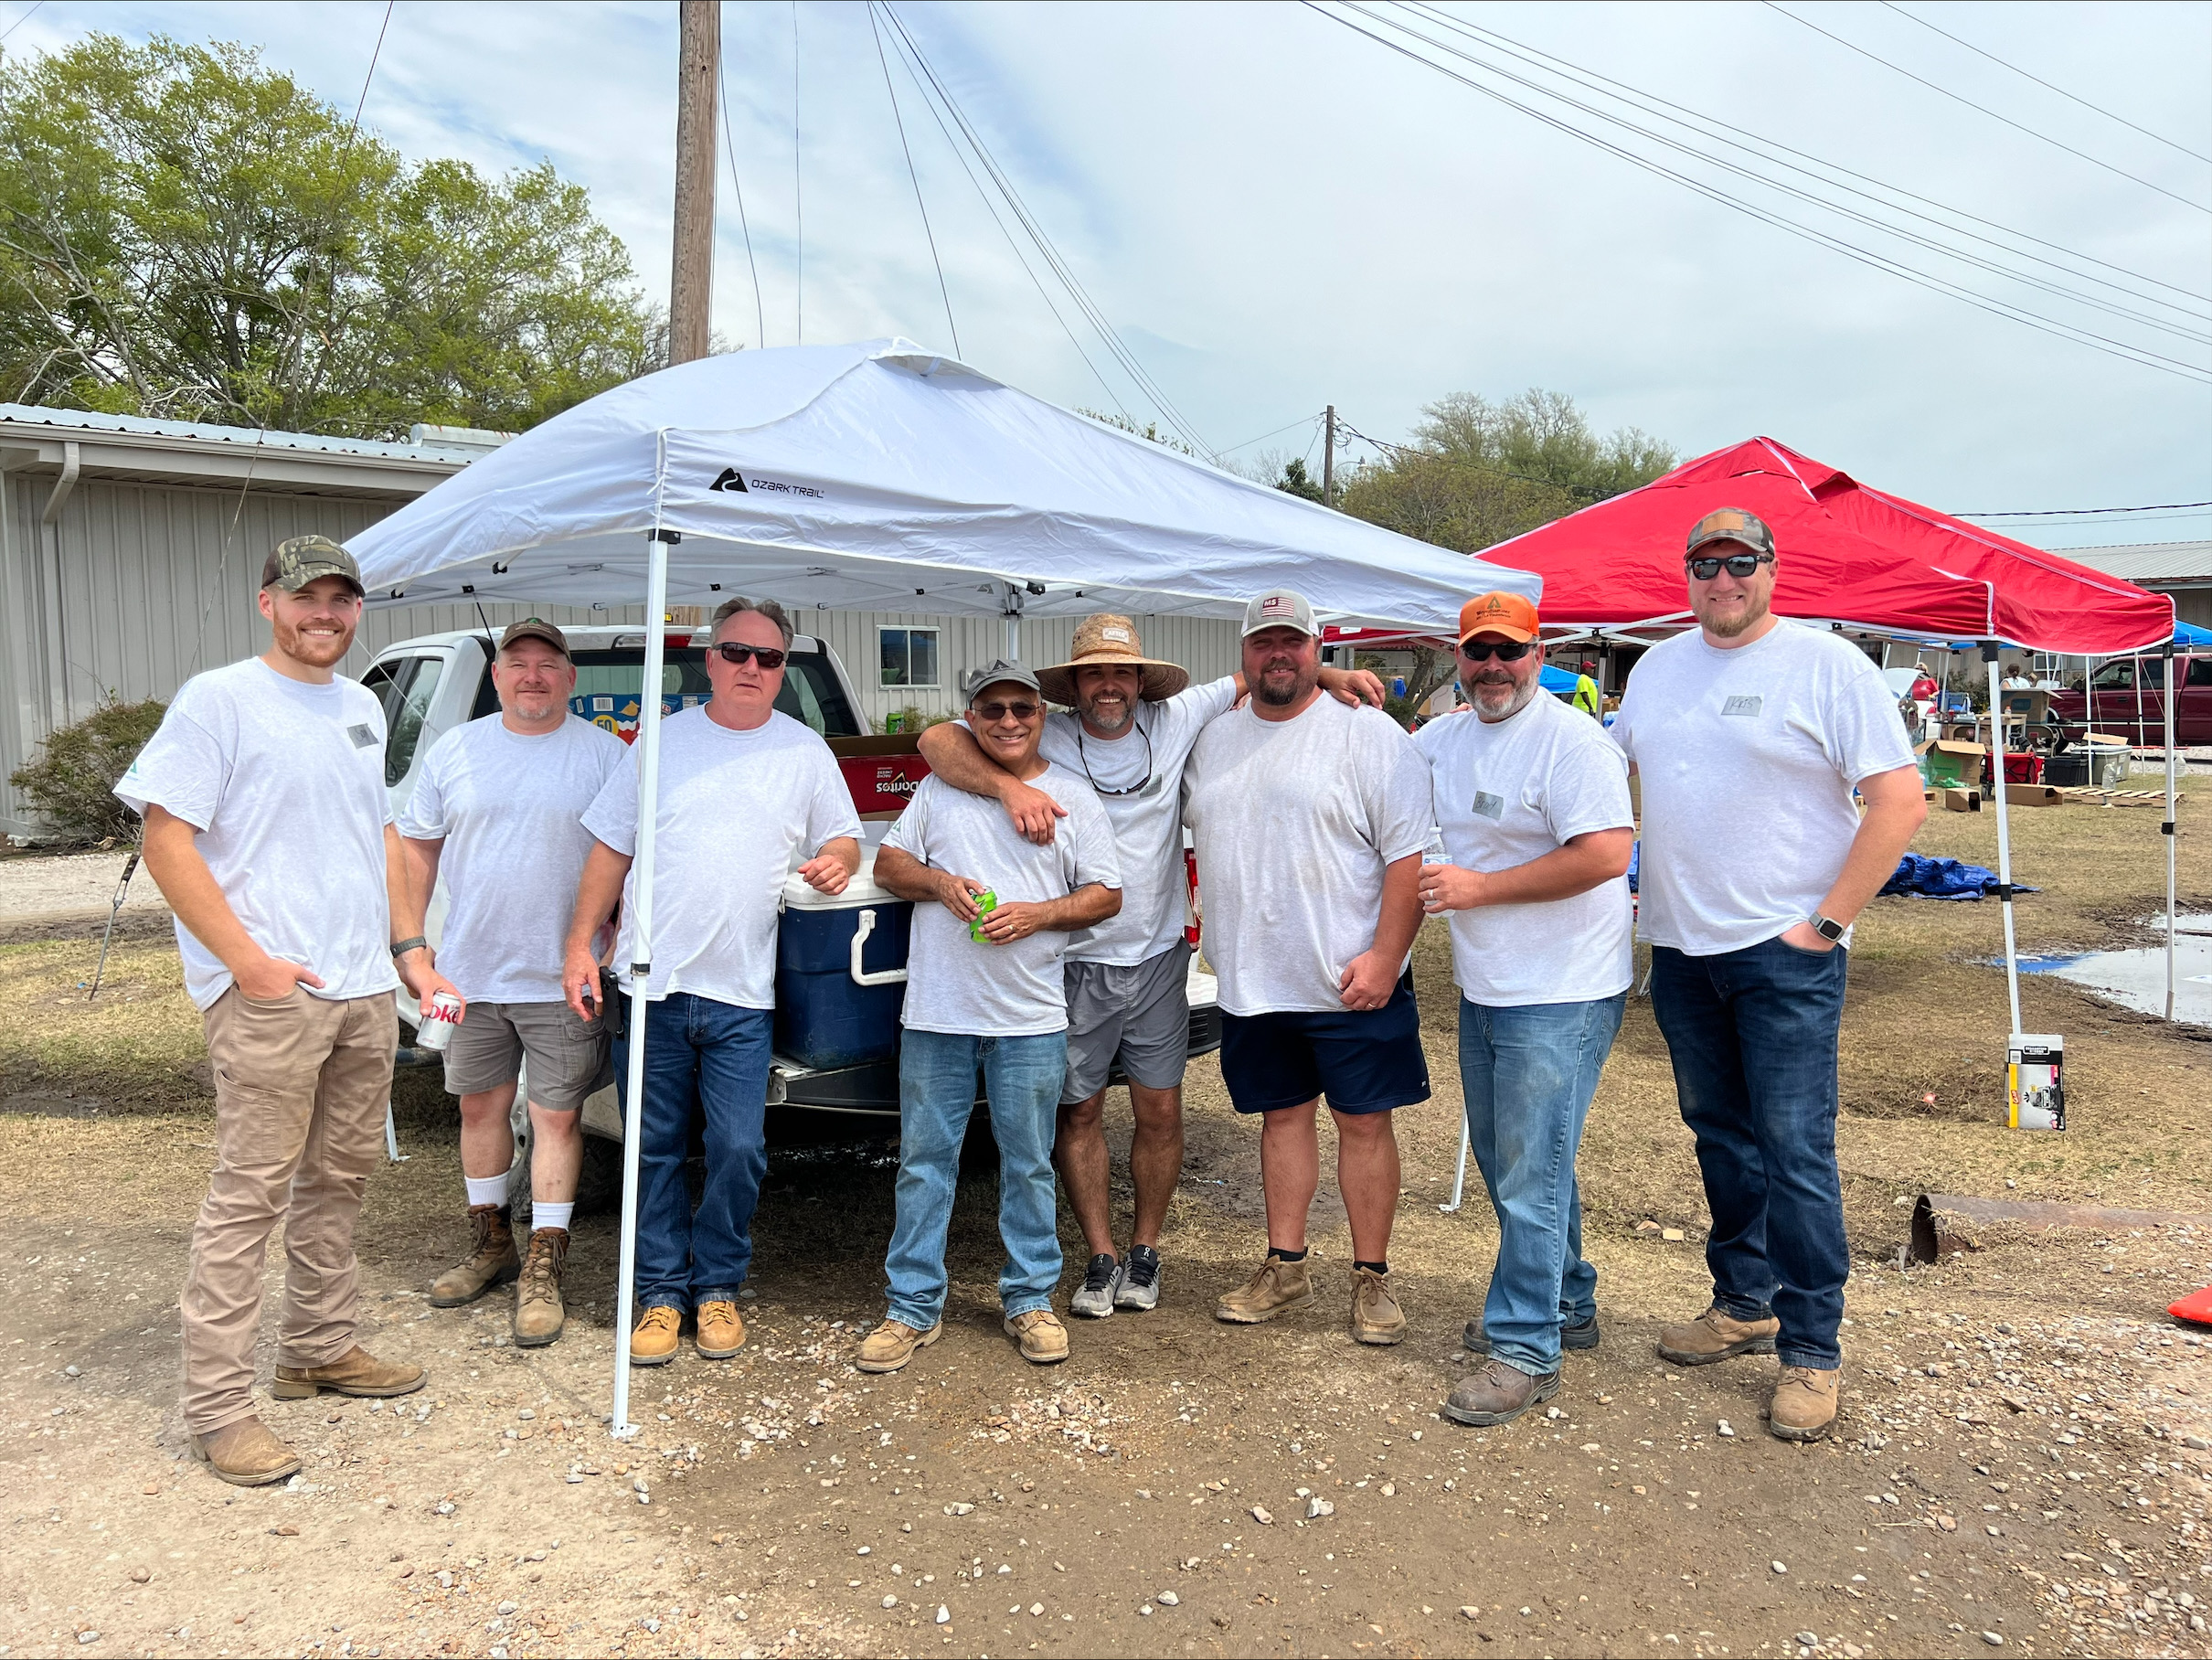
<point>2020,1462</point>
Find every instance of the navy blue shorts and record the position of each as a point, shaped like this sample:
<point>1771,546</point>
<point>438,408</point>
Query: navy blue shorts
<point>1366,1062</point>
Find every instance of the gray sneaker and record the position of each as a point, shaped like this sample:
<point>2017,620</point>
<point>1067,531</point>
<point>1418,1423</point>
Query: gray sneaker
<point>1137,1285</point>
<point>1094,1299</point>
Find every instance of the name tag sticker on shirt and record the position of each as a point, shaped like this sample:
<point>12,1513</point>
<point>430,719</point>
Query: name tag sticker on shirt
<point>1745,705</point>
<point>363,737</point>
<point>1488,806</point>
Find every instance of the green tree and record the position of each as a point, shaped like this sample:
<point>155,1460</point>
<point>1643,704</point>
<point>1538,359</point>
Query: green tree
<point>1294,481</point>
<point>185,232</point>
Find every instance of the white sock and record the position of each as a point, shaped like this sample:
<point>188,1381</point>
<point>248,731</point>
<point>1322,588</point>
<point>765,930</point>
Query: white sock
<point>547,1214</point>
<point>487,1189</point>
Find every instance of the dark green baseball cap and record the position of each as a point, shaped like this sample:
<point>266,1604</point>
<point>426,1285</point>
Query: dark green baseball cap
<point>293,564</point>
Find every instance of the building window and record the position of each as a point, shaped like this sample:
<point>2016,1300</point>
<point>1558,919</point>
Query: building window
<point>908,658</point>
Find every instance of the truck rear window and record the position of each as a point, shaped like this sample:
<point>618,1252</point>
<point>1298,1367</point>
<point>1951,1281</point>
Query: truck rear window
<point>608,683</point>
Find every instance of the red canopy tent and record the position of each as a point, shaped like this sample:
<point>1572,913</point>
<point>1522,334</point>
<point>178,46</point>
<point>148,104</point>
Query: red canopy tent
<point>1849,554</point>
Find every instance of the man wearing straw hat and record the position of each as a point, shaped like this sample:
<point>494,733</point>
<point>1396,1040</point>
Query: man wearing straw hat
<point>1135,722</point>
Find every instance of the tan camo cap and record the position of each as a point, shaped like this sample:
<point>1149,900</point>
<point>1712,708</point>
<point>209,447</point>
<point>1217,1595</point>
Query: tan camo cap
<point>1104,641</point>
<point>293,564</point>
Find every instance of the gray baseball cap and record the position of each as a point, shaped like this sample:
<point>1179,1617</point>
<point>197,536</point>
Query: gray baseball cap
<point>1280,608</point>
<point>999,669</point>
<point>293,564</point>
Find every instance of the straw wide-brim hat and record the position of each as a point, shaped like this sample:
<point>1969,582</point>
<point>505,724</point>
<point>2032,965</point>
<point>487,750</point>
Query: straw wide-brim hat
<point>1103,641</point>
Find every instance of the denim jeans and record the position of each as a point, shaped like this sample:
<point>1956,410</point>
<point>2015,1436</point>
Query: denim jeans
<point>715,1054</point>
<point>1528,1074</point>
<point>1752,1034</point>
<point>936,1094</point>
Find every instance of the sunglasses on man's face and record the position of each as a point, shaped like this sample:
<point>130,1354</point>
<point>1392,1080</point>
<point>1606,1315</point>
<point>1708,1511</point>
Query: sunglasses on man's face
<point>736,651</point>
<point>1512,651</point>
<point>999,711</point>
<point>1738,565</point>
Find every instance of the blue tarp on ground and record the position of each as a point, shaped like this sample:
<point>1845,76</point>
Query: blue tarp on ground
<point>1918,876</point>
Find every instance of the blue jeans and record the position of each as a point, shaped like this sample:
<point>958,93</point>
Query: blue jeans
<point>936,1094</point>
<point>715,1054</point>
<point>1752,1034</point>
<point>1528,1074</point>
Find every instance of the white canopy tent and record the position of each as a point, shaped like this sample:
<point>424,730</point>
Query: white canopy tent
<point>879,476</point>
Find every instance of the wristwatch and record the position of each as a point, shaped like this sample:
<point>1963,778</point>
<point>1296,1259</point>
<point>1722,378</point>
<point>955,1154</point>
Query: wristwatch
<point>1828,928</point>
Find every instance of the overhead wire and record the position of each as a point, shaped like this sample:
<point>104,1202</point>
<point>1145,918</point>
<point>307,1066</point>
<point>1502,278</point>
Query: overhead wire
<point>1286,426</point>
<point>798,181</point>
<point>2007,120</point>
<point>1997,307</point>
<point>943,293</point>
<point>22,20</point>
<point>2049,86</point>
<point>730,147</point>
<point>2076,512</point>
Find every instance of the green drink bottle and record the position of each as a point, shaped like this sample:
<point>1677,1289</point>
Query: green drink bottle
<point>985,903</point>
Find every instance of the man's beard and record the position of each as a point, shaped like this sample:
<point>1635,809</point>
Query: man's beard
<point>1728,627</point>
<point>1496,700</point>
<point>1108,718</point>
<point>534,705</point>
<point>319,650</point>
<point>1301,682</point>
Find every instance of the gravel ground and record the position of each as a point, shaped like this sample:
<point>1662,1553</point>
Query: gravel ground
<point>56,885</point>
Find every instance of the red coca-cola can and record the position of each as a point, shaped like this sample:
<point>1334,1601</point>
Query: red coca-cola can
<point>437,1027</point>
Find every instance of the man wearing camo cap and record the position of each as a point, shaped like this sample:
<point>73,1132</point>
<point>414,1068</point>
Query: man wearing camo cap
<point>268,830</point>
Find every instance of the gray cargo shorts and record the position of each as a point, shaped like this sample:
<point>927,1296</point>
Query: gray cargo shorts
<point>1140,1012</point>
<point>568,1055</point>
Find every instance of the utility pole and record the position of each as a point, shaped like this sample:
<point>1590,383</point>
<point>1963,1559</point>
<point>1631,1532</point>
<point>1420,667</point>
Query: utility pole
<point>1328,457</point>
<point>691,272</point>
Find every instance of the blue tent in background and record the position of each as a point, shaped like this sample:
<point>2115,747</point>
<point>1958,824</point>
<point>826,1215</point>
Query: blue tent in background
<point>1558,680</point>
<point>2189,634</point>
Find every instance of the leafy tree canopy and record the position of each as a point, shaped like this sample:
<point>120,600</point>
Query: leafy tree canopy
<point>186,233</point>
<point>1294,481</point>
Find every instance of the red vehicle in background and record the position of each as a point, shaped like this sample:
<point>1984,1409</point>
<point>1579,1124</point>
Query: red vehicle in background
<point>2126,698</point>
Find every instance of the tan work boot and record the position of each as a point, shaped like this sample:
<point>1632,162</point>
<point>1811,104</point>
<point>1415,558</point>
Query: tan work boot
<point>721,1329</point>
<point>891,1345</point>
<point>539,1313</point>
<point>1278,1288</point>
<point>1376,1315</point>
<point>653,1339</point>
<point>1043,1339</point>
<point>1496,1393</point>
<point>356,1372</point>
<point>246,1454</point>
<point>491,1261</point>
<point>1804,1403</point>
<point>1714,1336</point>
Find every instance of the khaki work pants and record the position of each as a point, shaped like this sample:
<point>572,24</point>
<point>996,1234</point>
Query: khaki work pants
<point>301,1087</point>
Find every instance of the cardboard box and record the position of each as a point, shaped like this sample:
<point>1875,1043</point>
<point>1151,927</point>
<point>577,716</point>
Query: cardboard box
<point>2034,1082</point>
<point>1947,762</point>
<point>1960,801</point>
<point>2033,795</point>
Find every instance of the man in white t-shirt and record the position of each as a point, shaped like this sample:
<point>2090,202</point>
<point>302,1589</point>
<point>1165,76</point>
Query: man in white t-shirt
<point>985,991</point>
<point>1134,722</point>
<point>268,830</point>
<point>500,806</point>
<point>1310,818</point>
<point>747,794</point>
<point>1751,735</point>
<point>1532,802</point>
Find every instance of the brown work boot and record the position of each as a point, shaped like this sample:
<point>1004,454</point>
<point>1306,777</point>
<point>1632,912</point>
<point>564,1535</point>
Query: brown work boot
<point>492,1260</point>
<point>721,1329</point>
<point>891,1345</point>
<point>1043,1339</point>
<point>539,1313</point>
<point>246,1454</point>
<point>653,1338</point>
<point>356,1372</point>
<point>1714,1336</point>
<point>1278,1288</point>
<point>1804,1403</point>
<point>1376,1315</point>
<point>1497,1393</point>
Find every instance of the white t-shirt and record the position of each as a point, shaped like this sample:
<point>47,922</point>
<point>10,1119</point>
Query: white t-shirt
<point>955,983</point>
<point>1294,821</point>
<point>510,808</point>
<point>739,813</point>
<point>1747,759</point>
<point>1511,791</point>
<point>286,783</point>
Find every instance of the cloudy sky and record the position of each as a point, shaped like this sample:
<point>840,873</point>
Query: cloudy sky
<point>1275,213</point>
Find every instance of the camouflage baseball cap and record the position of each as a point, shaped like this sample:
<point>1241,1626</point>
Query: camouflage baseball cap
<point>1731,525</point>
<point>293,564</point>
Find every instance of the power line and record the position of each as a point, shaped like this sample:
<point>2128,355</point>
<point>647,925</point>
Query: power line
<point>22,20</point>
<point>2072,512</point>
<point>1970,103</point>
<point>1997,307</point>
<point>729,148</point>
<point>377,51</point>
<point>1285,427</point>
<point>942,292</point>
<point>2039,80</point>
<point>798,178</point>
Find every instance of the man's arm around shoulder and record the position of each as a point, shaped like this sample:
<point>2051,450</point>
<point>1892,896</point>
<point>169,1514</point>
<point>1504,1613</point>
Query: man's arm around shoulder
<point>953,755</point>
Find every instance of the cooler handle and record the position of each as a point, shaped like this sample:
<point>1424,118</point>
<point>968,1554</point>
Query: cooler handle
<point>882,976</point>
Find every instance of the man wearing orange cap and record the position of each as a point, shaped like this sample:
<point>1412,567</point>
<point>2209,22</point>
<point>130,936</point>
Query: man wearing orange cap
<point>1751,735</point>
<point>1532,801</point>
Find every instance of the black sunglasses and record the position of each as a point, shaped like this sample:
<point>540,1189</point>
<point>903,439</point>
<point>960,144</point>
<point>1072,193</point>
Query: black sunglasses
<point>1739,565</point>
<point>999,711</point>
<point>1512,651</point>
<point>734,651</point>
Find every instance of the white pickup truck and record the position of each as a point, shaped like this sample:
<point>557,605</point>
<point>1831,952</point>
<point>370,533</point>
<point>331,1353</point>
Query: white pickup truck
<point>841,962</point>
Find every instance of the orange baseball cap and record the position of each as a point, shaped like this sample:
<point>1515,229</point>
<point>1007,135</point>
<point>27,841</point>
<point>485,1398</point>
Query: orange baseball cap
<point>1499,614</point>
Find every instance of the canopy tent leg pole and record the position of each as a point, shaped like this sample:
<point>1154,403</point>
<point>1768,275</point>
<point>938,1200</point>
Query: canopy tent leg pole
<point>641,969</point>
<point>1459,1182</point>
<point>2004,848</point>
<point>2168,828</point>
